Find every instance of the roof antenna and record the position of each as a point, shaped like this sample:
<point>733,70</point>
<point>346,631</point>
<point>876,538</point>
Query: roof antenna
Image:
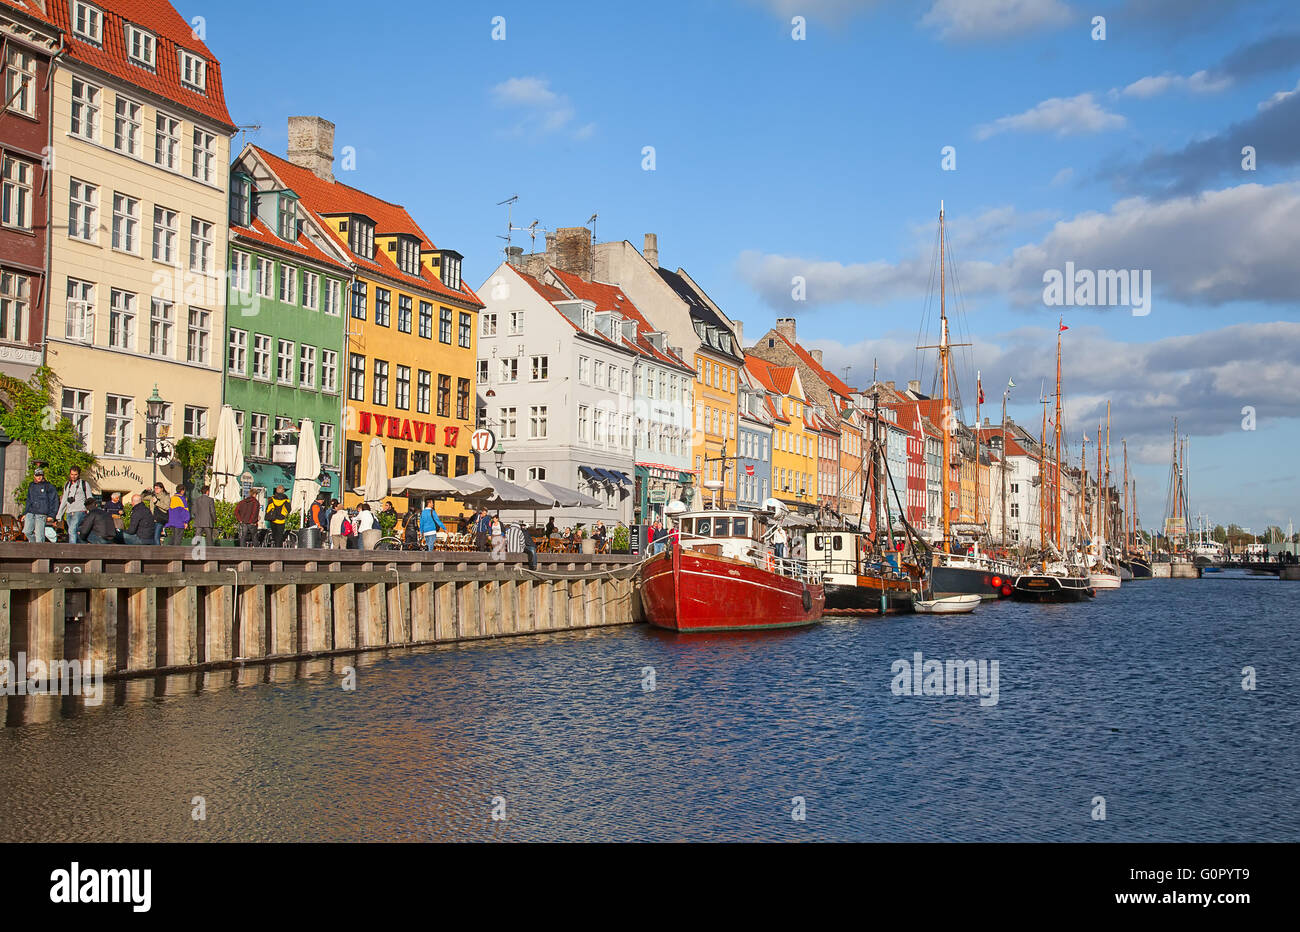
<point>511,228</point>
<point>244,130</point>
<point>591,253</point>
<point>846,374</point>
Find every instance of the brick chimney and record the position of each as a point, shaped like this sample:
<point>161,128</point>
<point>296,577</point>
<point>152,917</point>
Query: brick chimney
<point>816,355</point>
<point>311,145</point>
<point>651,249</point>
<point>570,249</point>
<point>515,256</point>
<point>785,327</point>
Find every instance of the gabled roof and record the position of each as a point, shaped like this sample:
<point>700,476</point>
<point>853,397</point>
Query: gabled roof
<point>607,297</point>
<point>552,295</point>
<point>259,233</point>
<point>778,379</point>
<point>171,32</point>
<point>832,382</point>
<point>331,198</point>
<point>702,314</point>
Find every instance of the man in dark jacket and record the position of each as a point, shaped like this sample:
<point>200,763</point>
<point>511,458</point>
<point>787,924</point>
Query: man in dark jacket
<point>482,527</point>
<point>42,505</point>
<point>140,529</point>
<point>247,513</point>
<point>96,526</point>
<point>204,515</point>
<point>277,515</point>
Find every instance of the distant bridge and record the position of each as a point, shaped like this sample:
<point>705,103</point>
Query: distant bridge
<point>1271,567</point>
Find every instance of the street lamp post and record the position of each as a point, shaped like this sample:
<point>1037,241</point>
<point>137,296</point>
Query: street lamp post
<point>154,406</point>
<point>500,454</point>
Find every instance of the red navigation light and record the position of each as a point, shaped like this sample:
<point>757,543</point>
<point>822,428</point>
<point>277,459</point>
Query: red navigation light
<point>997,582</point>
<point>899,546</point>
<point>1006,590</point>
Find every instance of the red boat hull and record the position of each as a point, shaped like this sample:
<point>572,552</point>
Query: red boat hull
<point>684,590</point>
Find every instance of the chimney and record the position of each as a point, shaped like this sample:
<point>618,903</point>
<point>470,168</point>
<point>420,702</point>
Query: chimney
<point>571,250</point>
<point>739,327</point>
<point>914,385</point>
<point>311,145</point>
<point>889,385</point>
<point>515,256</point>
<point>816,355</point>
<point>785,327</point>
<point>651,249</point>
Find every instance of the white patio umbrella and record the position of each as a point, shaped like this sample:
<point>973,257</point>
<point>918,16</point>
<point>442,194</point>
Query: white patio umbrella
<point>495,492</point>
<point>376,487</point>
<point>562,497</point>
<point>306,471</point>
<point>227,458</point>
<point>427,483</point>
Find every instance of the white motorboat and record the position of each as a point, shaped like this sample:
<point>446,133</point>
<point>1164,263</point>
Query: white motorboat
<point>1102,579</point>
<point>952,605</point>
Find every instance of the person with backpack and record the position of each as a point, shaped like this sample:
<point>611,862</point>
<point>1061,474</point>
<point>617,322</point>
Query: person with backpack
<point>73,503</point>
<point>430,524</point>
<point>340,528</point>
<point>277,515</point>
<point>42,506</point>
<point>319,515</point>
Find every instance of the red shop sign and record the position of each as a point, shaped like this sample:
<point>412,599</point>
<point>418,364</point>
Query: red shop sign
<point>401,428</point>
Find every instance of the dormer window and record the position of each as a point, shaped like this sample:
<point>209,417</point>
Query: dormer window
<point>450,271</point>
<point>588,319</point>
<point>241,199</point>
<point>87,22</point>
<point>286,226</point>
<point>141,46</point>
<point>408,255</point>
<point>194,71</point>
<point>361,237</point>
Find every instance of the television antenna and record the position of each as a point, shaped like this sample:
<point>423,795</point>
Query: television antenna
<point>245,129</point>
<point>531,229</point>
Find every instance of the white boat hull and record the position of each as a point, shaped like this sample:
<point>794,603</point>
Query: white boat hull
<point>953,605</point>
<point>1103,580</point>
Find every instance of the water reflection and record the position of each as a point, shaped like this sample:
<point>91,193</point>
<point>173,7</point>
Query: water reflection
<point>1135,696</point>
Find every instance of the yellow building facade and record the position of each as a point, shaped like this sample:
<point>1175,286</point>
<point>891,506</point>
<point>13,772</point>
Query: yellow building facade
<point>794,435</point>
<point>138,192</point>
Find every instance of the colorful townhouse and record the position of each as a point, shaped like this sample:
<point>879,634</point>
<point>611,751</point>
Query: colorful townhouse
<point>138,188</point>
<point>410,321</point>
<point>28,41</point>
<point>710,341</point>
<point>795,432</point>
<point>757,416</point>
<point>284,345</point>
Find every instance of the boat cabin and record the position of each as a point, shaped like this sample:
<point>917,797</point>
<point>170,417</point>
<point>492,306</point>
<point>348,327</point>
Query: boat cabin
<point>834,551</point>
<point>720,533</point>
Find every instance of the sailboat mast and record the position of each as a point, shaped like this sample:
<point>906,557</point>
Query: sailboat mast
<point>1003,470</point>
<point>1128,511</point>
<point>943,367</point>
<point>1096,505</point>
<point>1042,490</point>
<point>1108,529</point>
<point>1056,512</point>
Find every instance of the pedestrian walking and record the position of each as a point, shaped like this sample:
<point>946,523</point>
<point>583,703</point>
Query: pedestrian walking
<point>340,528</point>
<point>277,515</point>
<point>430,524</point>
<point>140,528</point>
<point>41,507</point>
<point>159,503</point>
<point>205,516</point>
<point>318,516</point>
<point>498,538</point>
<point>482,527</point>
<point>73,503</point>
<point>246,517</point>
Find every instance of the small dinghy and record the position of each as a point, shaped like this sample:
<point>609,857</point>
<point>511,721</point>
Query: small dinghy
<point>952,605</point>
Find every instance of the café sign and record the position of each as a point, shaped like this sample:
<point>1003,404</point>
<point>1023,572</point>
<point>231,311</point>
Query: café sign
<point>401,428</point>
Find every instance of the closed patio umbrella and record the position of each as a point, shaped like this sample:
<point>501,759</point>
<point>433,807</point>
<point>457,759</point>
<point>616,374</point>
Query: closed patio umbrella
<point>376,487</point>
<point>306,470</point>
<point>562,497</point>
<point>227,458</point>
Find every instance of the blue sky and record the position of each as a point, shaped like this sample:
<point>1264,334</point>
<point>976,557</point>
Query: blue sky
<point>821,157</point>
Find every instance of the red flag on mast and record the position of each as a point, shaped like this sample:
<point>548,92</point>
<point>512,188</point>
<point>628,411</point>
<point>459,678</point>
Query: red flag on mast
<point>979,390</point>
<point>1063,327</point>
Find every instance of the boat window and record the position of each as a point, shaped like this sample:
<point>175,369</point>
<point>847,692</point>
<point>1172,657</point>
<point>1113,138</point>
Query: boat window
<point>703,527</point>
<point>819,542</point>
<point>839,542</point>
<point>739,527</point>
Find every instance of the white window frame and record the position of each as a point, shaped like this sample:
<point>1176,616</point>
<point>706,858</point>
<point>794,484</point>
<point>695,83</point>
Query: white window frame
<point>125,232</point>
<point>195,423</point>
<point>539,368</point>
<point>237,352</point>
<point>83,211</point>
<point>332,297</point>
<point>128,126</point>
<point>167,141</point>
<point>194,70</point>
<point>20,81</point>
<point>204,165</point>
<point>257,434</point>
<point>538,422</point>
<point>19,178</point>
<point>288,283</point>
<point>122,319</point>
<point>310,290</point>
<point>15,305</point>
<point>306,365</point>
<point>87,22</point>
<point>329,371</point>
<point>262,352</point>
<point>198,336</point>
<point>327,447</point>
<point>79,324</point>
<point>78,407</point>
<point>87,102</point>
<point>285,357</point>
<point>119,418</point>
<point>162,328</point>
<point>240,264</point>
<point>201,245</point>
<point>166,235</point>
<point>147,56</point>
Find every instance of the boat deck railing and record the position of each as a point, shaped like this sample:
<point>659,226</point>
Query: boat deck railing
<point>802,570</point>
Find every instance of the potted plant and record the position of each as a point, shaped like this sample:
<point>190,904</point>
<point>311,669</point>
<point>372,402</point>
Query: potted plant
<point>585,543</point>
<point>621,540</point>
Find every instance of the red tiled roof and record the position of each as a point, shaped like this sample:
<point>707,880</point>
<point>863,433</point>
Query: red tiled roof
<point>553,294</point>
<point>260,233</point>
<point>171,31</point>
<point>776,379</point>
<point>328,198</point>
<point>607,297</point>
<point>834,384</point>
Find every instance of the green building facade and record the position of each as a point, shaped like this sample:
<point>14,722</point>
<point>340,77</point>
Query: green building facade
<point>286,287</point>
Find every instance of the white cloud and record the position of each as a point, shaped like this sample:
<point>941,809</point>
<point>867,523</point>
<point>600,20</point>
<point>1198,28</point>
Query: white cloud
<point>1064,116</point>
<point>969,20</point>
<point>1062,177</point>
<point>1201,82</point>
<point>1235,244</point>
<point>536,109</point>
<point>1279,97</point>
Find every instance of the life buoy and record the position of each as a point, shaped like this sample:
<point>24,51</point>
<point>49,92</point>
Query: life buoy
<point>807,600</point>
<point>768,563</point>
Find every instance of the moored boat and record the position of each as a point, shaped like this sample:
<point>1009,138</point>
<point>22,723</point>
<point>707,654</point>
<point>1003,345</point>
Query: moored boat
<point>953,605</point>
<point>720,576</point>
<point>852,583</point>
<point>1050,587</point>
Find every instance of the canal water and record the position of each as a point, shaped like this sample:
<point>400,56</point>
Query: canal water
<point>1133,702</point>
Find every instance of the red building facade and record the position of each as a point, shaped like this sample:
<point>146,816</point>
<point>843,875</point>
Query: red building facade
<point>27,44</point>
